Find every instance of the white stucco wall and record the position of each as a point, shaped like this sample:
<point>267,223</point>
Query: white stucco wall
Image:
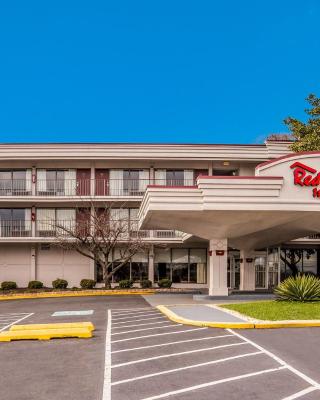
<point>15,263</point>
<point>57,263</point>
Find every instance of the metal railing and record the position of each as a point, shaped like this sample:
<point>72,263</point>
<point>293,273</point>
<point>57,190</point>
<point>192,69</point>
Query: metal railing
<point>15,187</point>
<point>51,229</point>
<point>19,228</point>
<point>85,187</point>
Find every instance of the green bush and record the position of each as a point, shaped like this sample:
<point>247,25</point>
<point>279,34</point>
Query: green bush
<point>87,283</point>
<point>35,285</point>
<point>8,285</point>
<point>145,283</point>
<point>60,284</point>
<point>299,288</point>
<point>126,284</point>
<point>165,283</point>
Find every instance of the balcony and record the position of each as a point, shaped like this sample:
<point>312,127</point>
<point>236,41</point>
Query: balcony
<point>84,187</point>
<point>15,187</point>
<point>15,229</point>
<point>50,229</point>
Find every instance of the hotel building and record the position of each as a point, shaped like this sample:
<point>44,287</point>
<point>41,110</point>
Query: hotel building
<point>223,217</point>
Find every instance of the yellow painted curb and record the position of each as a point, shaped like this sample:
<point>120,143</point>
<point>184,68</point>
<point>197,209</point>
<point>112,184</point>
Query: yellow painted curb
<point>45,334</point>
<point>293,324</point>
<point>75,294</point>
<point>210,324</point>
<point>60,325</point>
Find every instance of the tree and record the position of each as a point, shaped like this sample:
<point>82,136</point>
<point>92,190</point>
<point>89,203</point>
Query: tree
<point>97,233</point>
<point>306,135</point>
<point>292,257</point>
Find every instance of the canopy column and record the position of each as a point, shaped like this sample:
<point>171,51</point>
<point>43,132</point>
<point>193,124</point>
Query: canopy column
<point>218,267</point>
<point>247,270</point>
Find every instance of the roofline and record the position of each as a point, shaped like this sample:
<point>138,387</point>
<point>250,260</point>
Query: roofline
<point>274,160</point>
<point>133,144</point>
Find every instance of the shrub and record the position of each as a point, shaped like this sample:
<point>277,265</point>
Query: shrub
<point>60,284</point>
<point>8,285</point>
<point>87,283</point>
<point>35,285</point>
<point>145,283</point>
<point>299,288</point>
<point>126,284</point>
<point>165,283</point>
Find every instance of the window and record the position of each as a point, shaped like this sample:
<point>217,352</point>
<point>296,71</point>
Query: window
<point>16,182</point>
<point>181,265</point>
<point>15,222</point>
<point>47,218</point>
<point>224,172</point>
<point>175,177</point>
<point>57,182</point>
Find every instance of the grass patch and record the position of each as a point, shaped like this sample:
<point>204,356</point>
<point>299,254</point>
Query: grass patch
<point>277,310</point>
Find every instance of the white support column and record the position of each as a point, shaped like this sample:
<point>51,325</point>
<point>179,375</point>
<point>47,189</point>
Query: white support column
<point>33,221</point>
<point>247,271</point>
<point>92,269</point>
<point>218,267</point>
<point>33,274</point>
<point>151,264</point>
<point>92,181</point>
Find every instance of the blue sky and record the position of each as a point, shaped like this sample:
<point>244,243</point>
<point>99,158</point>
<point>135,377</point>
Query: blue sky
<point>201,71</point>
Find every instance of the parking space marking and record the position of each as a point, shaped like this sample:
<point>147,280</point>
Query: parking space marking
<point>301,393</point>
<point>171,343</point>
<point>131,312</point>
<point>146,329</point>
<point>150,323</point>
<point>278,359</point>
<point>159,334</point>
<point>129,309</point>
<point>13,319</point>
<point>140,315</point>
<point>139,320</point>
<point>213,383</point>
<point>106,395</point>
<point>177,354</point>
<point>169,371</point>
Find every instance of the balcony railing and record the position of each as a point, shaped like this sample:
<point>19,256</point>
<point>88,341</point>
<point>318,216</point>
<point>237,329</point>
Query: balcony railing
<point>19,228</point>
<point>15,187</point>
<point>85,187</point>
<point>51,229</point>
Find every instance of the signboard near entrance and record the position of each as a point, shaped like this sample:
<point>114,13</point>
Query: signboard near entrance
<point>304,175</point>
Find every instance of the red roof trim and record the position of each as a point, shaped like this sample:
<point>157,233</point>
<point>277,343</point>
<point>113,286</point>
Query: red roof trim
<point>172,187</point>
<point>240,177</point>
<point>286,156</point>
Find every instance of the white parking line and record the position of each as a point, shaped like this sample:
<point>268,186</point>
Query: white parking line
<point>133,312</point>
<point>169,371</point>
<point>146,329</point>
<point>15,321</point>
<point>139,320</point>
<point>159,334</point>
<point>278,359</point>
<point>150,323</point>
<point>171,343</point>
<point>301,393</point>
<point>107,361</point>
<point>213,383</point>
<point>177,354</point>
<point>140,315</point>
<point>129,309</point>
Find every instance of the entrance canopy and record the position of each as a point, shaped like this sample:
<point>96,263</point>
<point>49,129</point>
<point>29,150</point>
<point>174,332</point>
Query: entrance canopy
<point>280,203</point>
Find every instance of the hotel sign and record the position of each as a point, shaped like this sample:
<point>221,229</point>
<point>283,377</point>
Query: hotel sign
<point>304,175</point>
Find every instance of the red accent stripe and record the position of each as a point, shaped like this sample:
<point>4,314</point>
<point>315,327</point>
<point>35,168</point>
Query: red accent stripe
<point>287,156</point>
<point>240,177</point>
<point>172,187</point>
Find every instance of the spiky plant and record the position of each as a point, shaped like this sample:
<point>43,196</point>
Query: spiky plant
<point>299,288</point>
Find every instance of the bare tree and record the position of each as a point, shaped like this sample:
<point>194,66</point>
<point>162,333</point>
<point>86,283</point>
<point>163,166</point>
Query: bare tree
<point>96,233</point>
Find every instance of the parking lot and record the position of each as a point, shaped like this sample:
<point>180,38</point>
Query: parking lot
<point>137,353</point>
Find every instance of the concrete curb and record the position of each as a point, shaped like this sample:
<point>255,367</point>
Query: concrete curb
<point>210,324</point>
<point>260,324</point>
<point>74,294</point>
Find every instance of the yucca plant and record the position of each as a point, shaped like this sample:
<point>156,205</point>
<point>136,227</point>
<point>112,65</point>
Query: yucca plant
<point>299,288</point>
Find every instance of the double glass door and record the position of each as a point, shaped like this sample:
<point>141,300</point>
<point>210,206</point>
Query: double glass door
<point>233,271</point>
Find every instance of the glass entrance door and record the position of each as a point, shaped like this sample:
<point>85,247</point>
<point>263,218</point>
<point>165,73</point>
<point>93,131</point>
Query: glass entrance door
<point>233,271</point>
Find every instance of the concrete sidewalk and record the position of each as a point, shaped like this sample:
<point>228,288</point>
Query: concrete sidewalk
<point>205,313</point>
